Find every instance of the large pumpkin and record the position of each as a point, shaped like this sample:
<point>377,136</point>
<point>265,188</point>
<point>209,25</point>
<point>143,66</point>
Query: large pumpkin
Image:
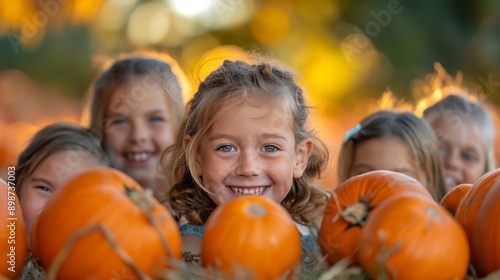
<point>485,239</point>
<point>413,238</point>
<point>13,240</point>
<point>103,225</point>
<point>452,199</point>
<point>251,235</point>
<point>350,205</point>
<point>468,209</point>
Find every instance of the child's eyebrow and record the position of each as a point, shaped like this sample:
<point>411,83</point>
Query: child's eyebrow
<point>43,180</point>
<point>116,115</point>
<point>365,165</point>
<point>405,170</point>
<point>472,148</point>
<point>273,135</point>
<point>262,136</point>
<point>220,136</point>
<point>157,111</point>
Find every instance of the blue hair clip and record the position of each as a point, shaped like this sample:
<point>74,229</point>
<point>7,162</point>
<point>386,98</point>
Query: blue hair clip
<point>352,132</point>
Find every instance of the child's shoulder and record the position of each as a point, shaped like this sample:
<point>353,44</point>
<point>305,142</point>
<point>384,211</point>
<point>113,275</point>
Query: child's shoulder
<point>306,230</point>
<point>189,229</point>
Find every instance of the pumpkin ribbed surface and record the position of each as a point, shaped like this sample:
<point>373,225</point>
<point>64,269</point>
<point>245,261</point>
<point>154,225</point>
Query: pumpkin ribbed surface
<point>452,199</point>
<point>469,207</point>
<point>350,207</point>
<point>103,225</point>
<point>486,233</point>
<point>413,238</point>
<point>251,235</point>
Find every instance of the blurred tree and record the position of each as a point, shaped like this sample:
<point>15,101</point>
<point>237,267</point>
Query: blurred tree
<point>62,59</point>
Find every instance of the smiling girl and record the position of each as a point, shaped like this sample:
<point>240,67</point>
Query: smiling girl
<point>245,134</point>
<point>466,134</point>
<point>137,106</point>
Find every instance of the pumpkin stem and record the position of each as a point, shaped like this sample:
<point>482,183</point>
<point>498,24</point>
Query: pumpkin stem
<point>32,269</point>
<point>355,214</point>
<point>144,200</point>
<point>63,254</point>
<point>256,210</point>
<point>190,258</point>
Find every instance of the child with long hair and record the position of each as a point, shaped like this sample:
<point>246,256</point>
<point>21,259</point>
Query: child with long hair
<point>466,136</point>
<point>137,107</point>
<point>461,119</point>
<point>246,133</point>
<point>396,141</point>
<point>56,153</point>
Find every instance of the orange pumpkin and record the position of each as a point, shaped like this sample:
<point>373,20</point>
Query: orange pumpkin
<point>453,198</point>
<point>485,239</point>
<point>468,208</point>
<point>103,225</point>
<point>252,235</point>
<point>350,205</point>
<point>13,240</point>
<point>413,238</point>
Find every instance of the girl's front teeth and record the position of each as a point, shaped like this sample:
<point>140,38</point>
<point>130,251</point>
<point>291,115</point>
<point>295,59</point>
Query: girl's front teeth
<point>248,191</point>
<point>137,156</point>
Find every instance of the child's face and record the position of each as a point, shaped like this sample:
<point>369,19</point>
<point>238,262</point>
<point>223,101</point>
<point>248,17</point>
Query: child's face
<point>250,150</point>
<point>463,153</point>
<point>384,154</point>
<point>49,176</point>
<point>139,128</point>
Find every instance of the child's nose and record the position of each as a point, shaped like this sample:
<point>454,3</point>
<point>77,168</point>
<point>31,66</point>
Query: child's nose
<point>452,160</point>
<point>138,133</point>
<point>248,165</point>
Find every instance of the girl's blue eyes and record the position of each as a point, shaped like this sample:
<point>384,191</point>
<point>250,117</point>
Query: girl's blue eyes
<point>118,122</point>
<point>226,148</point>
<point>468,157</point>
<point>270,148</point>
<point>124,121</point>
<point>266,148</point>
<point>156,119</point>
<point>43,188</point>
<point>464,156</point>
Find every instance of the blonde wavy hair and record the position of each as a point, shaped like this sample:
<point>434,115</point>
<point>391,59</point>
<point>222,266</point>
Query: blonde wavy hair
<point>237,79</point>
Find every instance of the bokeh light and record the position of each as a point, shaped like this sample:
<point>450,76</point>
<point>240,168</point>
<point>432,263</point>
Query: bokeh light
<point>196,48</point>
<point>191,7</point>
<point>114,15</point>
<point>148,24</point>
<point>215,57</point>
<point>271,24</point>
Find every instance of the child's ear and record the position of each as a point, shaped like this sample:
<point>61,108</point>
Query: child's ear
<point>185,141</point>
<point>197,165</point>
<point>304,150</point>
